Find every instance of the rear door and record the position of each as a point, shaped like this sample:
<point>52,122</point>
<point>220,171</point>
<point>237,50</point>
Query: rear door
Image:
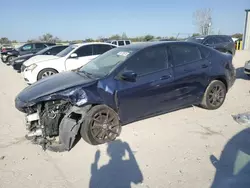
<point>84,55</point>
<point>191,71</point>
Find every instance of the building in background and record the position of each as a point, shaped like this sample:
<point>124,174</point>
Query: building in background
<point>246,33</point>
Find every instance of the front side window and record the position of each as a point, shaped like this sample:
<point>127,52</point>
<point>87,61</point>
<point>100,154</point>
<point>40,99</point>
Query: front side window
<point>101,48</point>
<point>27,47</point>
<point>56,50</point>
<point>43,51</point>
<point>84,51</point>
<point>210,41</point>
<point>114,42</point>
<point>106,63</point>
<point>148,61</point>
<point>66,51</point>
<point>184,53</point>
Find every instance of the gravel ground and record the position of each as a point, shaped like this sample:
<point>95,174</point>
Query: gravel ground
<point>171,150</point>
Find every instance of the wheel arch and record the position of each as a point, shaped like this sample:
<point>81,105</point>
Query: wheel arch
<point>44,69</point>
<point>223,80</point>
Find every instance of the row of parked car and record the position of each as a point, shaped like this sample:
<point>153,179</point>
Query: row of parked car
<point>102,86</point>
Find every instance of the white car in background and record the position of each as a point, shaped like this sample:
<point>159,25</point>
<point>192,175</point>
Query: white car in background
<point>72,57</point>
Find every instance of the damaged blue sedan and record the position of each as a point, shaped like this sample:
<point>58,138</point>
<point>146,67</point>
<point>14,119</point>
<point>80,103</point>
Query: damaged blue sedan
<point>121,86</point>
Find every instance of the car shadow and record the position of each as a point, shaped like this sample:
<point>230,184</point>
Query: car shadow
<point>233,167</point>
<point>240,74</point>
<point>118,172</point>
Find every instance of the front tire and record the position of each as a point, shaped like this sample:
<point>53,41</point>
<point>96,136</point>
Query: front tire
<point>10,58</point>
<point>101,125</point>
<point>214,95</point>
<point>46,73</point>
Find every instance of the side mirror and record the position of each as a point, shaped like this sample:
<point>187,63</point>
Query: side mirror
<point>129,76</point>
<point>48,53</point>
<point>74,55</point>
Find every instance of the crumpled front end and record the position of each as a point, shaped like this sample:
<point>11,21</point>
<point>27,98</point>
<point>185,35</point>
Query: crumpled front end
<point>53,121</point>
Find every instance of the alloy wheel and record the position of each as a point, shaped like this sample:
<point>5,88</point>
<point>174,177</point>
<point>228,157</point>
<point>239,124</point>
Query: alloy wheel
<point>216,95</point>
<point>105,126</point>
<point>47,73</point>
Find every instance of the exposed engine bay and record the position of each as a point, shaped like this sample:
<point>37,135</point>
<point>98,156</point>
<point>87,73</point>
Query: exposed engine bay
<point>54,124</point>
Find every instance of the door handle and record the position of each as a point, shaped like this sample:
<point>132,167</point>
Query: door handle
<point>165,77</point>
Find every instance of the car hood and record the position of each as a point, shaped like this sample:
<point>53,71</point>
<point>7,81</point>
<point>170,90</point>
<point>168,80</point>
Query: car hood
<point>27,56</point>
<point>53,84</point>
<point>39,58</point>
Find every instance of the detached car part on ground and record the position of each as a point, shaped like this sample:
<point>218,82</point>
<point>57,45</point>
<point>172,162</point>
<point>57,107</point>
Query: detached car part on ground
<point>247,68</point>
<point>123,85</point>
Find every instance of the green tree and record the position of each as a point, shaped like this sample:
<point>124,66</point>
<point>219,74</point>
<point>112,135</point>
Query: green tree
<point>49,38</point>
<point>237,35</point>
<point>115,37</point>
<point>89,40</point>
<point>196,34</point>
<point>148,37</point>
<point>4,40</point>
<point>124,36</point>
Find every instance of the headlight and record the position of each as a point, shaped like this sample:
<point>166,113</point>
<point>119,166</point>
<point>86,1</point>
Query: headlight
<point>31,67</point>
<point>19,60</point>
<point>76,96</point>
<point>9,53</point>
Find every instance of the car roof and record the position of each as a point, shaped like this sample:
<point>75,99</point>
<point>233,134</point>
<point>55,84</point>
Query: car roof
<point>89,43</point>
<point>142,45</point>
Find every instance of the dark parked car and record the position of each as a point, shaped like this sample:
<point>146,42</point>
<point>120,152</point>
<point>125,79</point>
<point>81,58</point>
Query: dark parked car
<point>123,85</point>
<point>221,43</point>
<point>51,50</point>
<point>5,48</point>
<point>24,49</point>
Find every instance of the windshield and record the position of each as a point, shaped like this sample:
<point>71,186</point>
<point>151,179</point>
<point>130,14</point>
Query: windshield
<point>105,63</point>
<point>195,39</point>
<point>41,52</point>
<point>66,51</point>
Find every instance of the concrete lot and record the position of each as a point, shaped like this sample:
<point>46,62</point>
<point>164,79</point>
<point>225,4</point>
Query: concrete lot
<point>171,150</point>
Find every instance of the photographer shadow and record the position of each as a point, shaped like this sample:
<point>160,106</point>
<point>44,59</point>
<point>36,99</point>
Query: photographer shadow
<point>119,172</point>
<point>233,168</point>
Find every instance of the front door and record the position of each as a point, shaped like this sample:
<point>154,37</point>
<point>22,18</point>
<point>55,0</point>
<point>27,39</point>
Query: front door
<point>84,55</point>
<point>191,73</point>
<point>152,90</point>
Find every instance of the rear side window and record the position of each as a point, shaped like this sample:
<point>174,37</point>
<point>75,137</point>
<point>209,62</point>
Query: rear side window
<point>127,42</point>
<point>101,48</point>
<point>148,61</point>
<point>121,43</point>
<point>184,53</point>
<point>84,51</point>
<point>39,46</point>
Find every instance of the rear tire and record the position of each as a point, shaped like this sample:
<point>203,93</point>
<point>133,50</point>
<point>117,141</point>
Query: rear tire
<point>101,125</point>
<point>46,73</point>
<point>214,95</point>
